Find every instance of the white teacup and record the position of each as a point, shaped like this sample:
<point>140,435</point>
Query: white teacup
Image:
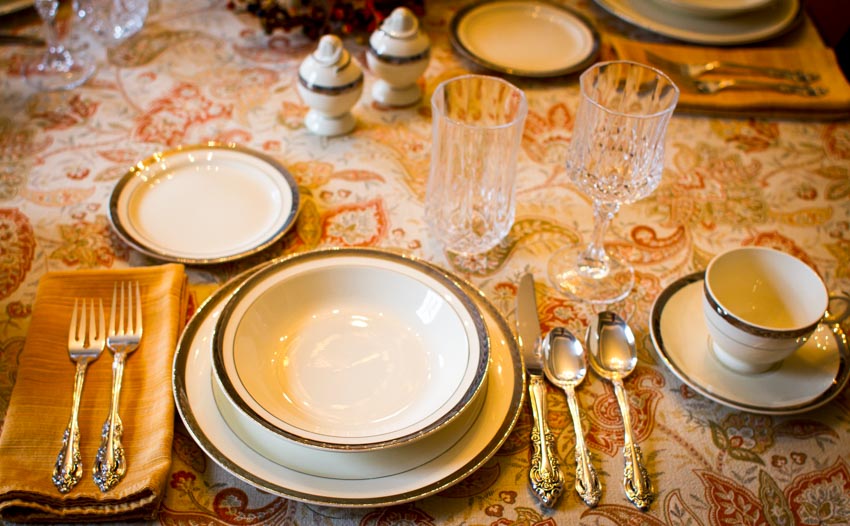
<point>760,306</point>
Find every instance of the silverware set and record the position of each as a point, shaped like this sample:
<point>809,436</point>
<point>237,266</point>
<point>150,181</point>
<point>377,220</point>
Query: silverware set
<point>86,340</point>
<point>784,80</point>
<point>560,356</point>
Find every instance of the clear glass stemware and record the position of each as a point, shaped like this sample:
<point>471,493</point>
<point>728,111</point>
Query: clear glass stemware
<point>616,157</point>
<point>57,68</point>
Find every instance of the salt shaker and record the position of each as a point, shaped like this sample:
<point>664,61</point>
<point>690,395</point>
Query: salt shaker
<point>330,83</point>
<point>398,55</point>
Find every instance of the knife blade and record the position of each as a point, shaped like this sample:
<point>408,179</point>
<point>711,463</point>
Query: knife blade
<point>545,474</point>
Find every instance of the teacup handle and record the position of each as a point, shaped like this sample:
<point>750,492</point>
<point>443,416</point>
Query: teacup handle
<point>837,314</point>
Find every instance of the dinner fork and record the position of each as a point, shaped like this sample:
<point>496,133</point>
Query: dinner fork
<point>85,343</point>
<point>110,464</point>
<point>713,86</point>
<point>695,70</point>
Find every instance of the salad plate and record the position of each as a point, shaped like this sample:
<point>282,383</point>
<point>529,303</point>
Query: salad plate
<point>204,204</point>
<point>809,378</point>
<point>524,38</point>
<point>195,399</point>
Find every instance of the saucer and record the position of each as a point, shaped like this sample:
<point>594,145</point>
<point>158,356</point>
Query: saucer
<point>809,378</point>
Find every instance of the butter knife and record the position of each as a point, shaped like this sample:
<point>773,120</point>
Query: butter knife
<point>545,474</point>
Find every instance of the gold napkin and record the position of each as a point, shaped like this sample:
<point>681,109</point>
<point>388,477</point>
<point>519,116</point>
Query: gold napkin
<point>40,403</point>
<point>809,56</point>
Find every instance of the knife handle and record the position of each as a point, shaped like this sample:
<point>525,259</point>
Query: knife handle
<point>545,475</point>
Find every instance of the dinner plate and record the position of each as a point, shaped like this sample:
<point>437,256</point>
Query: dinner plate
<point>351,349</point>
<point>811,377</point>
<point>195,401</point>
<point>752,26</point>
<point>524,38</point>
<point>363,464</point>
<point>204,204</point>
<point>714,8</point>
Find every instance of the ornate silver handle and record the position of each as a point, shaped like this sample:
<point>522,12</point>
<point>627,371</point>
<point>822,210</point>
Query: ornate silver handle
<point>778,73</point>
<point>68,468</point>
<point>109,465</point>
<point>545,475</point>
<point>587,483</point>
<point>635,478</point>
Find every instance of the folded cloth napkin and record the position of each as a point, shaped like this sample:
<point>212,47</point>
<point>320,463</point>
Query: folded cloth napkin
<point>813,57</point>
<point>40,404</point>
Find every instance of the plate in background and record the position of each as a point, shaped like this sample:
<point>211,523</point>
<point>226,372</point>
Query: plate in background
<point>524,38</point>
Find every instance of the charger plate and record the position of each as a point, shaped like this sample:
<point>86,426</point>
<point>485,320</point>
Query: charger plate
<point>204,204</point>
<point>524,38</point>
<point>753,26</point>
<point>195,400</point>
<point>811,377</point>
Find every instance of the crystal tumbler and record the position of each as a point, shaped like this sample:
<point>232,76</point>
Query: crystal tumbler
<point>477,129</point>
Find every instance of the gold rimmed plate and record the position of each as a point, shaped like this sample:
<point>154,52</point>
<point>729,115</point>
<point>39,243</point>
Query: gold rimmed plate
<point>204,204</point>
<point>524,38</point>
<point>195,399</point>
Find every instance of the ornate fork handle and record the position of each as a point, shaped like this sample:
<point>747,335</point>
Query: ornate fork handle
<point>587,482</point>
<point>777,73</point>
<point>706,86</point>
<point>110,465</point>
<point>545,475</point>
<point>68,468</point>
<point>636,481</point>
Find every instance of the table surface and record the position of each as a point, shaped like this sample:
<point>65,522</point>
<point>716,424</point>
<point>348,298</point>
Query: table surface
<point>201,72</point>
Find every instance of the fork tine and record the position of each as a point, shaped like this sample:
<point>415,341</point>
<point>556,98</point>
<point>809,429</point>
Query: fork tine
<point>84,327</point>
<point>121,311</point>
<point>72,330</point>
<point>101,333</point>
<point>112,309</point>
<point>137,328</point>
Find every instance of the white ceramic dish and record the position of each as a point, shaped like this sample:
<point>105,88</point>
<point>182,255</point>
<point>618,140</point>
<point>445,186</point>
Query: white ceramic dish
<point>809,378</point>
<point>715,8</point>
<point>194,397</point>
<point>524,38</point>
<point>753,26</point>
<point>204,204</point>
<point>351,349</point>
<point>350,465</point>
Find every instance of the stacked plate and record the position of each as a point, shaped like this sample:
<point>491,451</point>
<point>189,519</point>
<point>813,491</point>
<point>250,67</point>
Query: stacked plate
<point>348,377</point>
<point>712,22</point>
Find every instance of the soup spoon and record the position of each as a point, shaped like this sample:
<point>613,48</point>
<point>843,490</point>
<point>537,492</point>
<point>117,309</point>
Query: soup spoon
<point>565,366</point>
<point>611,344</point>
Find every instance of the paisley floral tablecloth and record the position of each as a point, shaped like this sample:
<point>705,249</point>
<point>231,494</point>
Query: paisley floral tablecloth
<point>202,72</point>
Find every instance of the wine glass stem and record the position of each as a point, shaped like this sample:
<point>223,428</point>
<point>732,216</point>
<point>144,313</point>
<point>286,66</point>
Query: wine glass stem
<point>594,260</point>
<point>47,11</point>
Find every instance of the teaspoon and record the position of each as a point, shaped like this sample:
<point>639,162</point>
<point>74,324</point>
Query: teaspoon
<point>565,366</point>
<point>613,356</point>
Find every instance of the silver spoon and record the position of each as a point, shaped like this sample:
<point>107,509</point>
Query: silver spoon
<point>565,366</point>
<point>611,344</point>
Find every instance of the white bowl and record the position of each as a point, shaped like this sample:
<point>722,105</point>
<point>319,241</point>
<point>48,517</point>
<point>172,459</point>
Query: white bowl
<point>351,349</point>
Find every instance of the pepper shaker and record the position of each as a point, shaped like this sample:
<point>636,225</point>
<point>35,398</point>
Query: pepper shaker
<point>398,55</point>
<point>330,82</point>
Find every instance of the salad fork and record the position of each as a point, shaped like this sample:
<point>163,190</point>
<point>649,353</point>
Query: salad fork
<point>696,70</point>
<point>110,464</point>
<point>713,86</point>
<point>85,343</point>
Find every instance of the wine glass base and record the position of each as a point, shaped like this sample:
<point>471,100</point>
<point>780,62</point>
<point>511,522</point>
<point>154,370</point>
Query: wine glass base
<point>44,77</point>
<point>584,282</point>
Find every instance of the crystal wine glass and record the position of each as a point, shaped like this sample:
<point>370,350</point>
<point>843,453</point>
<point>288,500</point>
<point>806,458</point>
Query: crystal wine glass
<point>616,157</point>
<point>56,69</point>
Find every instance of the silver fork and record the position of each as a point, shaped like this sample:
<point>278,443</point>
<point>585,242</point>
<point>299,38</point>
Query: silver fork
<point>85,343</point>
<point>695,70</point>
<point>713,86</point>
<point>110,464</point>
